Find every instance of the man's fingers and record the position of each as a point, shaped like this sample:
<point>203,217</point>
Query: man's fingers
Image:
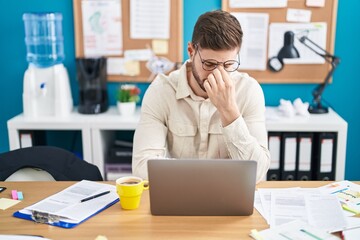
<point>219,78</point>
<point>225,77</point>
<point>212,81</point>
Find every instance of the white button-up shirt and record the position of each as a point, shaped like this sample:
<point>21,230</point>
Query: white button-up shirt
<point>175,123</point>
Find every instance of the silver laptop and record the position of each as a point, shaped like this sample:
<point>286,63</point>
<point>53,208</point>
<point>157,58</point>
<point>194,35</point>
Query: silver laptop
<point>222,187</point>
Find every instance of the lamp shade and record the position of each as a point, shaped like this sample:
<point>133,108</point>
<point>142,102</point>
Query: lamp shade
<point>288,50</point>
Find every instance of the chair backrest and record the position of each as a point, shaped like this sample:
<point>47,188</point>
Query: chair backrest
<point>30,174</point>
<point>60,164</point>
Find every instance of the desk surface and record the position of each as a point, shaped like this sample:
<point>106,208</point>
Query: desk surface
<point>115,223</point>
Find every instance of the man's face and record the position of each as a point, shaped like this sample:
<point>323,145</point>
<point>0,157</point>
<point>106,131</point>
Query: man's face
<point>206,60</point>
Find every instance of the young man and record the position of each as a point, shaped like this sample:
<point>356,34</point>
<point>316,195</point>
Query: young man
<point>206,109</point>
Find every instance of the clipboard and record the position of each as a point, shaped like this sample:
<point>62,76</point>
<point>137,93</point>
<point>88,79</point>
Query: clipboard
<point>63,217</point>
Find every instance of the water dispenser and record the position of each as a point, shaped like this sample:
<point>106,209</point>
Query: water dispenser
<point>46,82</point>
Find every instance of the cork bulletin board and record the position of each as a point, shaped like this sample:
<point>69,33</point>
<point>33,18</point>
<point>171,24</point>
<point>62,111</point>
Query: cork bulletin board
<point>174,42</point>
<point>295,73</point>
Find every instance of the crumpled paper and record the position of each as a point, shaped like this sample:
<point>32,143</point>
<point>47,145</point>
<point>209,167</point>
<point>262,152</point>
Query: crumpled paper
<point>298,107</point>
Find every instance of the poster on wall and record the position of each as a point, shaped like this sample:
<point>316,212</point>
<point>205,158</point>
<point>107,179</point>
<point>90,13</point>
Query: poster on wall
<point>102,27</point>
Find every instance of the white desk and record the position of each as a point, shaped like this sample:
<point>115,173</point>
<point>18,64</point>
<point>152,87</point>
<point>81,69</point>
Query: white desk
<point>98,131</point>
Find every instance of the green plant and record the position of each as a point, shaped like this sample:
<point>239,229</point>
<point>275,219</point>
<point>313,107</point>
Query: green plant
<point>128,93</point>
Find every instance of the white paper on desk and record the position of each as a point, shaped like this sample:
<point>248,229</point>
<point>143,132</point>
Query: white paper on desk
<point>21,237</point>
<point>258,205</point>
<point>352,234</point>
<point>347,193</point>
<point>295,230</point>
<point>322,211</point>
<point>150,19</point>
<point>314,31</point>
<point>287,207</point>
<point>66,203</point>
<point>288,193</point>
<point>257,3</point>
<point>253,49</point>
<point>265,199</point>
<point>102,27</point>
<point>325,212</point>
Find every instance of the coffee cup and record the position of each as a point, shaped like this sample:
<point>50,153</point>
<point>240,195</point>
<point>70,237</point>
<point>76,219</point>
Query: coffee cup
<point>130,190</point>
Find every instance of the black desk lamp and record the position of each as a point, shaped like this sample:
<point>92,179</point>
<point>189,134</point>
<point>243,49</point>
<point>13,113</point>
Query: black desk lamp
<point>289,51</point>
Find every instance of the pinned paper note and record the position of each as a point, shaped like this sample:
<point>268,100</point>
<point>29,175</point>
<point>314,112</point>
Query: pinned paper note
<point>5,203</point>
<point>298,15</point>
<point>257,3</point>
<point>160,46</point>
<point>315,3</point>
<point>132,68</point>
<point>115,65</point>
<point>138,54</point>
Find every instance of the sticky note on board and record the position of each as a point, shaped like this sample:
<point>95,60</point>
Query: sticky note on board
<point>160,46</point>
<point>132,68</point>
<point>5,203</point>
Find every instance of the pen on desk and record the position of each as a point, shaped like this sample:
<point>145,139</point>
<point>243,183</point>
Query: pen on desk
<point>95,196</point>
<point>310,234</point>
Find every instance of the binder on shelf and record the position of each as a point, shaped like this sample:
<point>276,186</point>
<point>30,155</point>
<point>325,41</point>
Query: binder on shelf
<point>274,144</point>
<point>73,210</point>
<point>325,156</point>
<point>304,156</point>
<point>288,156</point>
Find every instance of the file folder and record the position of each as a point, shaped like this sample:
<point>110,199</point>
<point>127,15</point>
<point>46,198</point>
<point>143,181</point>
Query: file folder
<point>288,156</point>
<point>304,156</point>
<point>325,156</point>
<point>274,144</point>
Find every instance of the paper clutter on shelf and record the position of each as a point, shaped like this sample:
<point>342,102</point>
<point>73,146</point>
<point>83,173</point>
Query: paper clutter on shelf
<point>298,107</point>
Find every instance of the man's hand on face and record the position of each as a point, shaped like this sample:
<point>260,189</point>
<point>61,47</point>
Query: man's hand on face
<point>221,91</point>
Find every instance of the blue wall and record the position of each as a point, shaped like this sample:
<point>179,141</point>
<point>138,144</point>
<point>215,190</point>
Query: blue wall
<point>343,95</point>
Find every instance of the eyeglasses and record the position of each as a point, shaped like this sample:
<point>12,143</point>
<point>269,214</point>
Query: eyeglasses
<point>211,64</point>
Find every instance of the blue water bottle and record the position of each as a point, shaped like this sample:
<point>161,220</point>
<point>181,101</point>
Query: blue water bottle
<point>44,39</point>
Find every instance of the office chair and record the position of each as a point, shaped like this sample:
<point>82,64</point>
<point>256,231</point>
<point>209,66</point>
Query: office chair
<point>45,163</point>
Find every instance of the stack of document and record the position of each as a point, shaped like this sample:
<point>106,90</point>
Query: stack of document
<point>325,208</point>
<point>293,230</point>
<point>71,206</point>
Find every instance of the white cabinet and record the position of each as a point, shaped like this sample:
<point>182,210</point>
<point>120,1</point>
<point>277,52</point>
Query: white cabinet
<point>330,122</point>
<point>98,131</point>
